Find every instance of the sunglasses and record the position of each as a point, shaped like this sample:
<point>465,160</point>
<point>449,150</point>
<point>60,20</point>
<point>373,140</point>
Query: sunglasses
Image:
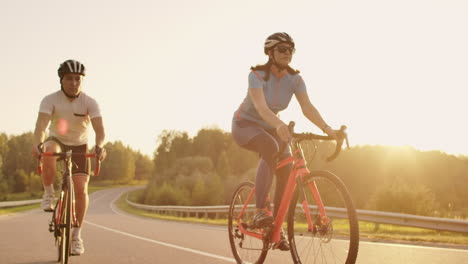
<point>282,49</point>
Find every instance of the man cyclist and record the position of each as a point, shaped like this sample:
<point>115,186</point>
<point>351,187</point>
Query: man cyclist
<point>69,112</point>
<point>256,125</point>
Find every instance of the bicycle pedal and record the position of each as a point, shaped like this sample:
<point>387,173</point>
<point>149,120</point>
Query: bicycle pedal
<point>267,231</point>
<point>51,227</point>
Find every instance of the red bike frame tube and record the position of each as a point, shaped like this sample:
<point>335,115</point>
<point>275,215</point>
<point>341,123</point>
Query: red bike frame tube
<point>305,207</point>
<point>315,193</point>
<point>285,162</point>
<point>241,227</point>
<point>58,214</point>
<point>287,195</point>
<point>299,170</point>
<point>318,200</point>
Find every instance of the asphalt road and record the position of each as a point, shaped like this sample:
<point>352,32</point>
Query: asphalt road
<point>112,236</point>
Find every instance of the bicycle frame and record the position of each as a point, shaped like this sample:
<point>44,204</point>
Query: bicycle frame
<point>67,186</point>
<point>296,176</point>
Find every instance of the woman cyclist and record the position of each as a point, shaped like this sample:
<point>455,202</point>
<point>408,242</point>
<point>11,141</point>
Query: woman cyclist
<point>257,127</point>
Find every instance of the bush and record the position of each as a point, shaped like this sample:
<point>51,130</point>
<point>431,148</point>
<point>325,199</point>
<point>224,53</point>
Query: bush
<point>165,195</point>
<point>35,182</point>
<point>21,183</point>
<point>403,198</point>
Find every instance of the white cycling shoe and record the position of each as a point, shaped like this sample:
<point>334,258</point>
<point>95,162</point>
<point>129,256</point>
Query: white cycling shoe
<point>77,247</point>
<point>47,202</point>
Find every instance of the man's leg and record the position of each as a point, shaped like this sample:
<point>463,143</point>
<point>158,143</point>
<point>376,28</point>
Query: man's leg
<point>80,181</point>
<point>48,173</point>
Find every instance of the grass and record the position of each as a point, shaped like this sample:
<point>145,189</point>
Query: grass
<point>122,205</point>
<point>411,234</point>
<point>18,209</point>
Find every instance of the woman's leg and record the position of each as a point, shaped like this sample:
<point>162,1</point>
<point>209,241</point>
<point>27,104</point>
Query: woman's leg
<point>266,146</point>
<point>282,175</point>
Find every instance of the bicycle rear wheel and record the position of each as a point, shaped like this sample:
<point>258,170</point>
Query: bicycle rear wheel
<point>245,248</point>
<point>317,239</point>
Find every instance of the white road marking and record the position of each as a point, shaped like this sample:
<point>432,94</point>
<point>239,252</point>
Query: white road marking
<point>165,244</point>
<point>412,246</point>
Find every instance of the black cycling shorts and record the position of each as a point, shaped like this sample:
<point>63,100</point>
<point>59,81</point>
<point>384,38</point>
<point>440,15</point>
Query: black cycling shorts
<point>81,164</point>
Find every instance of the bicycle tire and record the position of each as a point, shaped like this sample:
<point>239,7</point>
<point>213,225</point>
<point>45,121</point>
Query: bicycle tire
<point>68,222</point>
<point>56,216</point>
<point>329,240</point>
<point>65,240</point>
<point>61,227</point>
<point>245,248</point>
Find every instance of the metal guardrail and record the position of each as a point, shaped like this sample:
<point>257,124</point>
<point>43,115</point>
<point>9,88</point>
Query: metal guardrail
<point>18,203</point>
<point>441,224</point>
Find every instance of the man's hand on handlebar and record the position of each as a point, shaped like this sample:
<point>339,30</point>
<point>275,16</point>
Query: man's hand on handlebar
<point>100,153</point>
<point>37,150</point>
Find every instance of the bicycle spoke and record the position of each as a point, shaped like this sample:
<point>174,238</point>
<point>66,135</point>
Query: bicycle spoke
<point>334,237</point>
<point>245,247</point>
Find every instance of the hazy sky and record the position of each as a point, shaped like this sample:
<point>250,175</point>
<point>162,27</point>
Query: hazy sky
<point>395,72</point>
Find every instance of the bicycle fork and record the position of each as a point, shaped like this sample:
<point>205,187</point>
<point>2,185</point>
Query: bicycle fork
<point>322,219</point>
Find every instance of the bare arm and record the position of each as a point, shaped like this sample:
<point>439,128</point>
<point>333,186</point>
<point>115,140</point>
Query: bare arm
<point>312,113</point>
<point>43,120</point>
<point>98,127</point>
<point>258,99</point>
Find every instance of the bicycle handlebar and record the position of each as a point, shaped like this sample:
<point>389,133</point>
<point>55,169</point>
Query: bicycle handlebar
<point>97,167</point>
<point>341,135</point>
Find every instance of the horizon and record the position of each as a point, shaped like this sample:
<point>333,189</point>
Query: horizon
<point>401,148</point>
<point>393,72</point>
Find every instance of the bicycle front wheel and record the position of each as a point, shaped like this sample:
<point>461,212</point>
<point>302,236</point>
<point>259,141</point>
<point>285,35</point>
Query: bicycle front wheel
<point>323,234</point>
<point>57,227</point>
<point>65,229</point>
<point>245,247</point>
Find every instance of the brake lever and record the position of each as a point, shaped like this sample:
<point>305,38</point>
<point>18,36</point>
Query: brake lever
<point>342,136</point>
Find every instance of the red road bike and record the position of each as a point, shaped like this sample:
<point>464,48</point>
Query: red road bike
<point>64,216</point>
<point>322,224</point>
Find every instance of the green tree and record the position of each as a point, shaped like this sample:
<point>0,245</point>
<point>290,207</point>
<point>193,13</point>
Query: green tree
<point>173,145</point>
<point>3,145</point>
<point>143,167</point>
<point>223,168</point>
<point>165,194</point>
<point>211,143</point>
<point>35,183</point>
<point>119,165</point>
<point>199,193</point>
<point>403,198</point>
<point>21,183</point>
<point>18,156</point>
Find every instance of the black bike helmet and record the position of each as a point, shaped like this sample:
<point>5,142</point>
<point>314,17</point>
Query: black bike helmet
<point>276,38</point>
<point>71,66</point>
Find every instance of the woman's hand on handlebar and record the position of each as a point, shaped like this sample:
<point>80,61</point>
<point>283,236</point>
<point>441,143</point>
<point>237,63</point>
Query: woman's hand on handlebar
<point>330,132</point>
<point>283,132</point>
